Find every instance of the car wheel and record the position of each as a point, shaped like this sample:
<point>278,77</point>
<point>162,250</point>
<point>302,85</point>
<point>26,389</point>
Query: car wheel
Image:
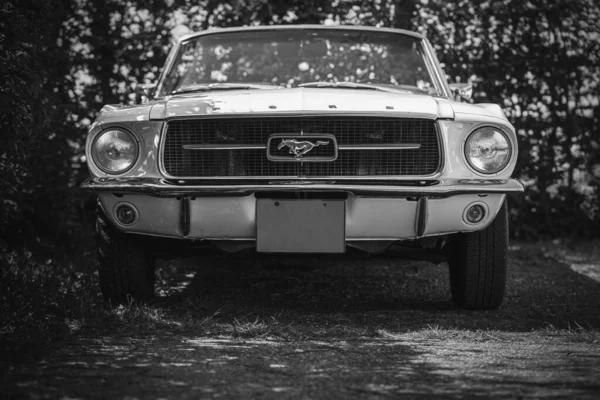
<point>125,268</point>
<point>478,264</point>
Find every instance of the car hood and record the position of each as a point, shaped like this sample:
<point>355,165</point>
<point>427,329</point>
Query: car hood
<point>302,101</point>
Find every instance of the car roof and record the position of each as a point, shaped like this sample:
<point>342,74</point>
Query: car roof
<point>300,27</point>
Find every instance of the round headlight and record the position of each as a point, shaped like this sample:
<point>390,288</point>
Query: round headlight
<point>488,150</point>
<point>115,151</point>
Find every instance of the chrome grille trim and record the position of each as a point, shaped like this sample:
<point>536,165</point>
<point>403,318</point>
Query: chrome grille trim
<point>346,147</point>
<point>224,146</point>
<point>389,146</point>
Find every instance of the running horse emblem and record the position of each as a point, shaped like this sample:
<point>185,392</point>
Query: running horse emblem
<point>300,148</point>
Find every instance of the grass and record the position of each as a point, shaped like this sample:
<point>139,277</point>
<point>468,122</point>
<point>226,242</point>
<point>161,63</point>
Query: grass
<point>547,298</point>
<point>577,334</point>
<point>40,301</point>
<point>438,333</point>
<point>236,328</point>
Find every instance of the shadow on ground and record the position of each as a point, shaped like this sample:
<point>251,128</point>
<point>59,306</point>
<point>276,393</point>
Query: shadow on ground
<point>544,290</point>
<point>239,327</point>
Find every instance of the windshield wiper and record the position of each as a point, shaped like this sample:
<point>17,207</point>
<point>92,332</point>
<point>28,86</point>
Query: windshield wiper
<point>221,86</point>
<point>352,85</point>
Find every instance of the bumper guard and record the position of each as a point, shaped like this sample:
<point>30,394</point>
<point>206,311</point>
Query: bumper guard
<point>169,188</point>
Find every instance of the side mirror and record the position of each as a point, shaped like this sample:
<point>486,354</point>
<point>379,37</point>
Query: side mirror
<point>462,91</point>
<point>143,92</point>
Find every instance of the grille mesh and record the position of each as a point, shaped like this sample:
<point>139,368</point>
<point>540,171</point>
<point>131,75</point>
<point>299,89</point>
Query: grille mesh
<point>179,162</point>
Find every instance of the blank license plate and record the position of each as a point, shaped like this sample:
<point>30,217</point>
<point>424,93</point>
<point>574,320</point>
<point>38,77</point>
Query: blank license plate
<point>300,226</point>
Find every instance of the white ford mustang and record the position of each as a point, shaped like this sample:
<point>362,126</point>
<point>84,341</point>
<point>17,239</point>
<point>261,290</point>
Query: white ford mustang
<point>304,139</point>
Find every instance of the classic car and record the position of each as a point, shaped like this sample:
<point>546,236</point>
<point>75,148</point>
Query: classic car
<point>336,140</point>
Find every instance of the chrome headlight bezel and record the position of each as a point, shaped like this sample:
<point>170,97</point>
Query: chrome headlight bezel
<point>94,151</point>
<point>503,165</point>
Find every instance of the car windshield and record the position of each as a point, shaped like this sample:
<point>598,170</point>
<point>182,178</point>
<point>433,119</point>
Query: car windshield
<point>300,57</point>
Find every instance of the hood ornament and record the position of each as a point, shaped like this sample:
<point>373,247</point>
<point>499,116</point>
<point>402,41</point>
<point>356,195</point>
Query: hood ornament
<point>300,147</point>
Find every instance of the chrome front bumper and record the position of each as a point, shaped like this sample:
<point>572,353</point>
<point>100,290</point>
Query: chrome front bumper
<point>184,209</point>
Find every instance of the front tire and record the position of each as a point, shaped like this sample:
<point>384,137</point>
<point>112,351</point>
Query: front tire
<point>125,268</point>
<point>478,265</point>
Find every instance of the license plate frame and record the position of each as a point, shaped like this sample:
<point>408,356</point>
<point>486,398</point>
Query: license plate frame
<point>300,226</point>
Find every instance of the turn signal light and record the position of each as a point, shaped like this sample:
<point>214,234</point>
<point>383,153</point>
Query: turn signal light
<point>475,214</point>
<point>126,214</point>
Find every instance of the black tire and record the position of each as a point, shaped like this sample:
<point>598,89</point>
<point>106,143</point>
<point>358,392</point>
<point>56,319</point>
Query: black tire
<point>478,265</point>
<point>125,268</point>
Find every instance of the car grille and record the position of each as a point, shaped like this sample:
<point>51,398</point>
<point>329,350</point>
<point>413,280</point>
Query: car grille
<point>255,132</point>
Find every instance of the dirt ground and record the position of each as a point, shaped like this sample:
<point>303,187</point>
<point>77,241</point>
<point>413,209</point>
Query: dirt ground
<point>317,328</point>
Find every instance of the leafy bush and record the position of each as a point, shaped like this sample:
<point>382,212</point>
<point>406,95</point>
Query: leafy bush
<point>40,300</point>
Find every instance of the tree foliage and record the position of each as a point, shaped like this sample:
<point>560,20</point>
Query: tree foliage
<point>61,60</point>
<point>36,144</point>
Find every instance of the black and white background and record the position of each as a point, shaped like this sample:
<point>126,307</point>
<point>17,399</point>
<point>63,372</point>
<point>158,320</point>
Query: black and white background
<point>304,328</point>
